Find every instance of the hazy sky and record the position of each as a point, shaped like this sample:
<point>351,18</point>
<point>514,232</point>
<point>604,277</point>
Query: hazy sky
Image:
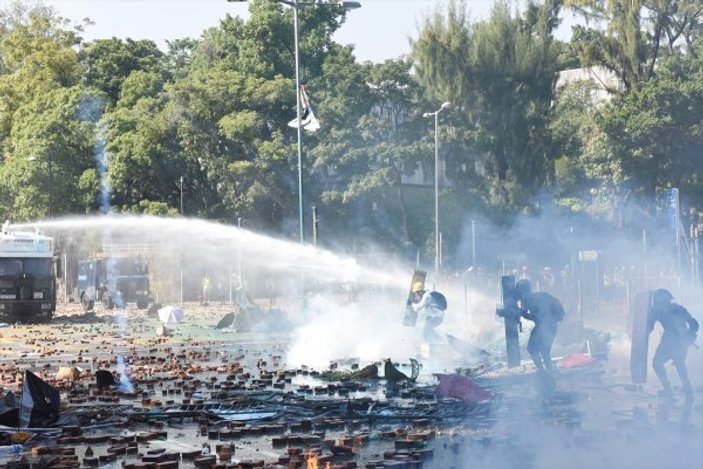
<point>379,30</point>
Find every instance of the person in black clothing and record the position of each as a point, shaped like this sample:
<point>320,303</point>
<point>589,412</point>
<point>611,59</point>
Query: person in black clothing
<point>680,330</point>
<point>545,311</point>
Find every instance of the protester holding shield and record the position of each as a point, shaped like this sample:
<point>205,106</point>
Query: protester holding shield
<point>680,330</point>
<point>431,304</point>
<point>545,311</point>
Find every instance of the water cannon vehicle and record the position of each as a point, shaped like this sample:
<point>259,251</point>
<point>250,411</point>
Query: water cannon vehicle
<point>114,281</point>
<point>28,272</point>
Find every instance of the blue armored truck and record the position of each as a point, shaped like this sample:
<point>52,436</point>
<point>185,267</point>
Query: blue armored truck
<point>114,281</point>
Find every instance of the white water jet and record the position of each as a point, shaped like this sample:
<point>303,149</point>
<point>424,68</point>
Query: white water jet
<point>217,243</point>
<point>351,310</point>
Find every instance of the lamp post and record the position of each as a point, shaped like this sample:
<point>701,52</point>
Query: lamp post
<point>181,195</point>
<point>51,183</point>
<point>435,114</point>
<point>295,4</point>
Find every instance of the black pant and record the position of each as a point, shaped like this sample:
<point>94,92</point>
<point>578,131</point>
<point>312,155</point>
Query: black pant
<point>675,350</point>
<point>539,346</point>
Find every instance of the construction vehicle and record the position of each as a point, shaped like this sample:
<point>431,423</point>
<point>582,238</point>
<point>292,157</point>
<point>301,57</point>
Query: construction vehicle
<point>114,281</point>
<point>28,272</point>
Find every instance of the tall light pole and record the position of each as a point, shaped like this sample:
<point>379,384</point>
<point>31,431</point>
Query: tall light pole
<point>181,195</point>
<point>299,129</point>
<point>435,114</point>
<point>295,4</point>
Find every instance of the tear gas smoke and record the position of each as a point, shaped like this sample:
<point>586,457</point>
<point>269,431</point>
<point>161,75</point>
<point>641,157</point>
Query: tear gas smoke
<point>102,161</point>
<point>369,330</point>
<point>125,384</point>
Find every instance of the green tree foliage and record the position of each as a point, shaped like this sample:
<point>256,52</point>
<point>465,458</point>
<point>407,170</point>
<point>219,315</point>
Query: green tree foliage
<point>502,73</point>
<point>572,128</point>
<point>230,111</point>
<point>213,113</point>
<point>635,34</point>
<point>51,129</point>
<point>365,158</point>
<point>37,56</point>
<point>651,137</point>
<point>40,113</point>
<point>108,62</point>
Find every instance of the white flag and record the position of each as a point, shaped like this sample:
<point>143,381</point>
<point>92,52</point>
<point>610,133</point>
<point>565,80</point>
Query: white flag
<point>307,119</point>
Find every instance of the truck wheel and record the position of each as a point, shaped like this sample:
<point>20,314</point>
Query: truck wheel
<point>107,301</point>
<point>142,303</point>
<point>87,304</point>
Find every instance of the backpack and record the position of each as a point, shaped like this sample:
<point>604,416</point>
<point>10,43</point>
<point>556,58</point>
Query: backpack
<point>557,310</point>
<point>438,300</point>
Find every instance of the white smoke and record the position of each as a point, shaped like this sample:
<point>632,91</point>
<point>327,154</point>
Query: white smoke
<point>369,330</point>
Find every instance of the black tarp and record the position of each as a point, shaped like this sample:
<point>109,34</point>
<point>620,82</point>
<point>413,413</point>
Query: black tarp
<point>226,321</point>
<point>9,410</point>
<point>40,404</point>
<point>393,374</point>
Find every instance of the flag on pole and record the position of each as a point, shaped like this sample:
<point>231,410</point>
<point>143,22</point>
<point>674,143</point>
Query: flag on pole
<point>307,118</point>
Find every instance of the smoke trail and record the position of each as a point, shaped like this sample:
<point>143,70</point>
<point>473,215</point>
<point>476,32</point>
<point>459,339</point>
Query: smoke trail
<point>125,383</point>
<point>91,109</point>
<point>102,160</point>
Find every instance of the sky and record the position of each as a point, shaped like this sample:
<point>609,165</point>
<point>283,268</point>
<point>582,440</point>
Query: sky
<point>379,30</point>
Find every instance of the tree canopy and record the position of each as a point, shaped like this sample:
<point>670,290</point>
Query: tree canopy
<point>208,118</point>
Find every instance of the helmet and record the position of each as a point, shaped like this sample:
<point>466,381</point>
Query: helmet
<point>523,288</point>
<point>417,286</point>
<point>662,296</point>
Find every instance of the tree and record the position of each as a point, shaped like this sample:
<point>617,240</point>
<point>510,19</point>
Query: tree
<point>573,127</point>
<point>636,34</point>
<point>108,62</point>
<point>366,156</point>
<point>651,136</point>
<point>229,111</point>
<point>37,56</point>
<point>54,128</point>
<point>501,72</point>
<point>39,108</point>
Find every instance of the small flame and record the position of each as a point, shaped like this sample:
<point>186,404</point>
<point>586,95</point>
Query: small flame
<point>312,462</point>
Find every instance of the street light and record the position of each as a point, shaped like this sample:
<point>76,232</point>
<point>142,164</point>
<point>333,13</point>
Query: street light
<point>181,195</point>
<point>51,191</point>
<point>295,4</point>
<point>435,114</point>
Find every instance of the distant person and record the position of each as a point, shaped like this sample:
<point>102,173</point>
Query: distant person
<point>431,304</point>
<point>524,273</point>
<point>545,311</point>
<point>548,280</point>
<point>680,330</point>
